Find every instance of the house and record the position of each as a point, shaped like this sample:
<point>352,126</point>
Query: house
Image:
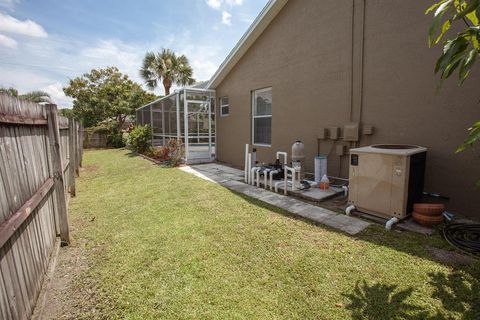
<point>306,69</point>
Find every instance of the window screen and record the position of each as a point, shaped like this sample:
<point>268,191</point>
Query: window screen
<point>262,116</point>
<point>224,106</point>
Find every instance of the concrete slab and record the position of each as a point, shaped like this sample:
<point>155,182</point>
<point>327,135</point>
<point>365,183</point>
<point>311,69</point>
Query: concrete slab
<point>313,194</point>
<point>316,214</point>
<point>316,194</point>
<point>233,179</point>
<point>410,225</point>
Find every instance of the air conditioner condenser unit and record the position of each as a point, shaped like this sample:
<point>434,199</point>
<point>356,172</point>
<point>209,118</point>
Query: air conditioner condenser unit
<point>386,180</point>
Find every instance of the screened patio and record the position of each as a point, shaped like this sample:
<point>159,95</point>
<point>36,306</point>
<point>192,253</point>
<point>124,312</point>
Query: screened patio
<point>188,115</point>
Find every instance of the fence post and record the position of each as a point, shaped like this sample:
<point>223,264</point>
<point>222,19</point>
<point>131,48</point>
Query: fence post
<point>80,144</point>
<point>72,155</point>
<point>59,188</point>
<point>77,151</point>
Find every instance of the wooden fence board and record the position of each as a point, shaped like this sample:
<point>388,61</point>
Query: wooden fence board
<point>37,153</point>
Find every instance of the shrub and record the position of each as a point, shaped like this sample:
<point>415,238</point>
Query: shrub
<point>114,136</point>
<point>175,151</point>
<point>107,134</point>
<point>171,154</point>
<point>139,139</point>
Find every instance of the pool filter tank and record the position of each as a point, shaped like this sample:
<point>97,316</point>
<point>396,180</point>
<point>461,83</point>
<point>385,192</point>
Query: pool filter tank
<point>298,157</point>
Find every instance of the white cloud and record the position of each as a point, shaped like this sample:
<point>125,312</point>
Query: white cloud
<point>55,90</point>
<point>224,5</point>
<point>8,42</point>
<point>30,28</point>
<point>48,64</point>
<point>126,57</point>
<point>226,18</point>
<point>215,4</point>
<point>204,58</point>
<point>234,2</point>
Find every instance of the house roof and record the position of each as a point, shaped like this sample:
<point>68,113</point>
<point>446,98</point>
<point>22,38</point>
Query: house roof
<point>268,13</point>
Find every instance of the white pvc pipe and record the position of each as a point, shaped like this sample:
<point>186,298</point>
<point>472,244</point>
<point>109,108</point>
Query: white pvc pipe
<point>293,175</point>
<point>252,174</point>
<point>246,163</point>
<point>271,178</point>
<point>265,177</point>
<point>349,209</point>
<point>258,178</point>
<point>249,168</point>
<point>345,190</point>
<point>390,223</point>
<point>284,154</point>
<point>277,184</point>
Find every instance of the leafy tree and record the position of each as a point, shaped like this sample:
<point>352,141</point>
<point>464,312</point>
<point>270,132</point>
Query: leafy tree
<point>461,51</point>
<point>166,67</point>
<point>68,113</point>
<point>105,94</point>
<point>10,91</point>
<point>36,96</point>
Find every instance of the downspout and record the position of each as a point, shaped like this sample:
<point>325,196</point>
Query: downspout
<point>352,42</point>
<point>357,63</point>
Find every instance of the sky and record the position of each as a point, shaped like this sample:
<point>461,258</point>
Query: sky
<point>45,43</point>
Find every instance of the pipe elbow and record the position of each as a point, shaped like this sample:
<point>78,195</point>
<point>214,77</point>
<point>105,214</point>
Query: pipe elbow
<point>390,223</point>
<point>349,209</point>
<point>345,190</point>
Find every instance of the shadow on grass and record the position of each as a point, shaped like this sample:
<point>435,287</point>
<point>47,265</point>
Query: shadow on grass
<point>380,301</point>
<point>459,295</point>
<point>458,292</point>
<point>131,154</point>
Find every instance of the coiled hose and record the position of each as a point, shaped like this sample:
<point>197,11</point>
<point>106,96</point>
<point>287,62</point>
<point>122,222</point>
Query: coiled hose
<point>463,236</point>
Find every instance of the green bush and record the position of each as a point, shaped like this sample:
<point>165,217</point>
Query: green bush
<point>114,137</point>
<point>109,132</point>
<point>140,138</point>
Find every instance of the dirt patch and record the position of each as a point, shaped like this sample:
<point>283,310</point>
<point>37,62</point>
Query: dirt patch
<point>450,257</point>
<point>89,168</point>
<point>70,291</point>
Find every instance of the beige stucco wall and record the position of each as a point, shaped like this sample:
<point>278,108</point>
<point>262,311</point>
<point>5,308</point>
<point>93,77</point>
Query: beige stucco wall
<point>306,56</point>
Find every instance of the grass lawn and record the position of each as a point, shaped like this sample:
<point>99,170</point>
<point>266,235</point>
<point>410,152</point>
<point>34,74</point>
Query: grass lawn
<point>162,244</point>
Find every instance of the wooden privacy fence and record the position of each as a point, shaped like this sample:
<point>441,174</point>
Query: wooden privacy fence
<point>40,154</point>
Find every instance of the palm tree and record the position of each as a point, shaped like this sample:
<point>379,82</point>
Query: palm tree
<point>166,67</point>
<point>36,96</point>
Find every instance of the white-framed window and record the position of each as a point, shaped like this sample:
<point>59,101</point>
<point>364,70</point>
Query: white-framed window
<point>224,107</point>
<point>262,117</point>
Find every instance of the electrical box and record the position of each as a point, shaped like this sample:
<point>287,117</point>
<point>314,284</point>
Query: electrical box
<point>350,132</point>
<point>322,133</point>
<point>367,130</point>
<point>334,133</point>
<point>386,180</point>
<point>341,150</point>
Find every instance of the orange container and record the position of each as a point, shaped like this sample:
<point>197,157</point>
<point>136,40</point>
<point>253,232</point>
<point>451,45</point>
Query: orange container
<point>324,183</point>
